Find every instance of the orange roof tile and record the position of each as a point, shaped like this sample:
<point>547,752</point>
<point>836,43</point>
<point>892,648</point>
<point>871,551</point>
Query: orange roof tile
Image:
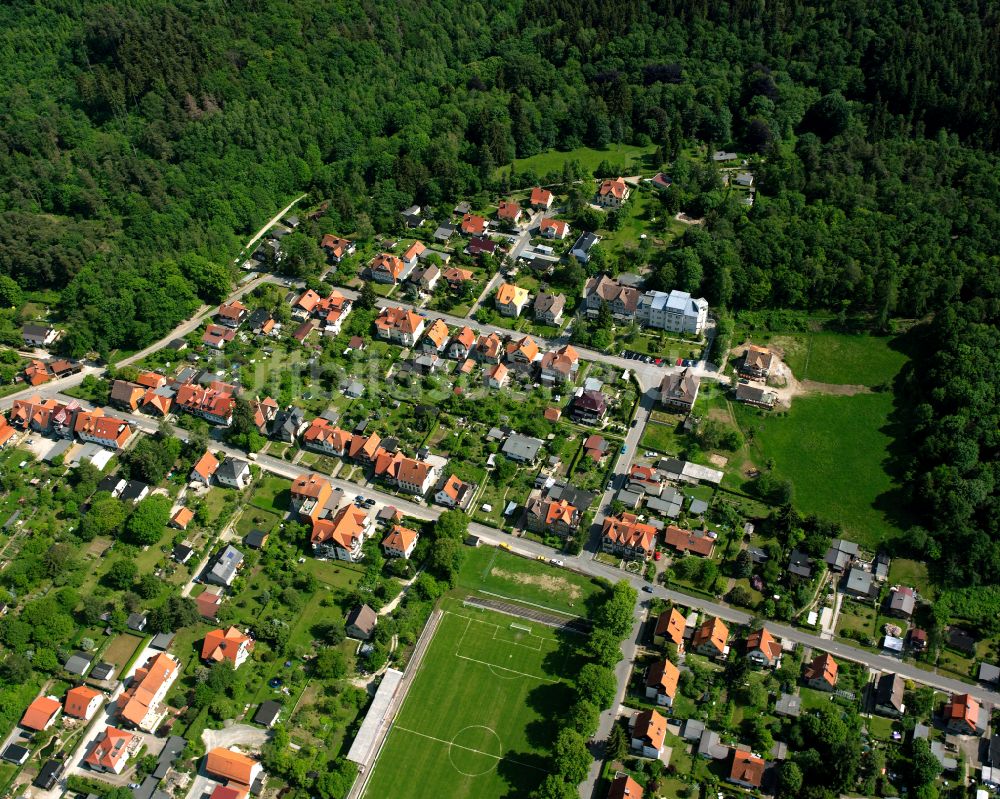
<point>663,675</point>
<point>231,765</point>
<point>390,264</point>
<point>40,712</point>
<point>747,768</point>
<point>111,749</point>
<point>713,632</point>
<point>78,700</point>
<point>182,518</point>
<point>652,726</point>
<point>400,538</point>
<point>206,466</point>
<point>671,624</point>
<point>540,196</point>
<point>224,645</point>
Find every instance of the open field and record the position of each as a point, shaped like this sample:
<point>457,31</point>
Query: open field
<point>833,449</point>
<point>552,160</point>
<point>121,649</point>
<point>533,581</point>
<point>840,358</point>
<point>476,723</point>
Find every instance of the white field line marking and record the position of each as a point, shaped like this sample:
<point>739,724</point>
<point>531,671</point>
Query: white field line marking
<point>469,749</point>
<point>504,668</point>
<point>496,627</point>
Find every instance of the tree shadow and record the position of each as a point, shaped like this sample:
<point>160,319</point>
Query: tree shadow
<point>523,772</point>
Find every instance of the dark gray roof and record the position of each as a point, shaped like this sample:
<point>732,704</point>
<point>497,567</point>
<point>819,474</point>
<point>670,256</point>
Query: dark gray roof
<point>267,712</point>
<point>889,691</point>
<point>78,663</point>
<point>133,489</point>
<point>182,552</point>
<point>586,241</point>
<point>15,754</point>
<point>225,566</point>
<point>231,469</point>
<point>711,746</point>
<point>576,497</point>
<point>859,581</point>
<point>136,621</point>
<point>788,705</point>
<point>255,539</point>
<point>102,671</point>
<point>522,447</point>
<point>162,641</point>
<point>800,564</point>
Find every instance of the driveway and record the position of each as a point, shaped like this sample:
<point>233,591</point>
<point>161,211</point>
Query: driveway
<point>243,736</point>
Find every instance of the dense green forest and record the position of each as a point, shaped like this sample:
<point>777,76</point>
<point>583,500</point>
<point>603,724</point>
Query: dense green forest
<point>139,141</point>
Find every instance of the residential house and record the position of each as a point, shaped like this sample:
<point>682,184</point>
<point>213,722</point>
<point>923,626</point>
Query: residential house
<point>679,390</point>
<point>411,255</point>
<point>82,702</point>
<point>840,555</point>
<point>554,229</point>
<point>800,564</point>
<point>552,516</point>
<point>560,365</point>
<point>213,404</point>
<point>889,696</point>
<point>661,181</point>
<point>455,277</point>
<point>48,417</point>
<point>473,225</point>
<point>522,355</point>
<point>859,583</point>
<point>622,300</point>
<point>540,198</point>
<point>677,312</point>
<point>509,211</point>
<point>41,713</point>
<point>336,248</point>
<point>480,245</point>
<point>613,193</point>
<point>237,769</point>
<point>256,539</point>
<point>583,245</point>
<point>408,474</point>
<point>6,432</point>
<point>386,268</point>
<point>226,566</point>
<point>204,469</point>
<point>902,602</point>
<point>342,536</point>
<point>648,730</point>
<point>267,714</point>
<point>710,638</point>
<point>462,344</point>
<point>744,179</point>
<point>697,542</point>
<point>488,349</point>
<point>589,407</point>
<point>322,436</point>
<point>747,770</point>
<point>413,216</point>
<point>510,299</point>
<point>425,278</point>
<point>624,787</point>
<point>435,337</point>
<point>455,493</point>
<point>208,603</point>
<point>37,373</point>
<point>444,232</point>
<point>757,362</point>
<point>110,753</point>
<point>141,704</point>
<point>661,682</point>
<point>217,336</point>
<point>821,673</point>
<point>228,645</point>
<point>234,473</point>
<point>788,705</point>
<point>15,755</point>
<point>400,542</point>
<point>288,424</point>
<point>97,428</point>
<point>127,396</point>
<point>721,156</point>
<point>365,448</point>
<point>78,663</point>
<point>38,335</point>
<point>762,649</point>
<point>523,449</point>
<point>399,325</point>
<point>232,314</point>
<point>626,536</point>
<point>361,622</point>
<point>753,395</point>
<point>647,479</point>
<point>963,716</point>
<point>670,626</point>
<point>548,307</point>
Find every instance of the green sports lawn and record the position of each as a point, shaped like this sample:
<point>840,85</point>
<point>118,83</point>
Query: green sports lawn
<point>478,719</point>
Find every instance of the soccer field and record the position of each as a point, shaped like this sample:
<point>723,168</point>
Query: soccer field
<point>479,718</point>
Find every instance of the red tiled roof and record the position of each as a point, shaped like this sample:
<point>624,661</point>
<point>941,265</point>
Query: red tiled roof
<point>540,196</point>
<point>40,712</point>
<point>473,225</point>
<point>696,541</point>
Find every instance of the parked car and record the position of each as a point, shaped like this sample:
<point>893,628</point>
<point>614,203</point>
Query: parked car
<point>648,589</point>
<point>624,449</point>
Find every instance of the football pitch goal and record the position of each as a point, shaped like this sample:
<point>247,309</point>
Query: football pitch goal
<point>480,716</point>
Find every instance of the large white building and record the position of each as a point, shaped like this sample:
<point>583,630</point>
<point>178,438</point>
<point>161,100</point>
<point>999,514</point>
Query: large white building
<point>677,311</point>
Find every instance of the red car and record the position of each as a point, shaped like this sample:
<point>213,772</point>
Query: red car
<point>657,556</point>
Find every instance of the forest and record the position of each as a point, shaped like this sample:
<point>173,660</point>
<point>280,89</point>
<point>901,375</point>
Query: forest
<point>140,141</point>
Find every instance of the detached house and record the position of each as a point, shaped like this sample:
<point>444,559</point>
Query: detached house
<point>670,626</point>
<point>400,542</point>
<point>889,696</point>
<point>509,211</point>
<point>41,713</point>
<point>697,542</point>
<point>473,225</point>
<point>342,536</point>
<point>462,343</point>
<point>624,787</point>
<point>232,314</point>
<point>336,248</point>
<point>455,277</point>
<point>757,362</point>
<point>613,193</point>
<point>540,198</point>
<point>412,254</point>
<point>583,245</point>
<point>230,645</point>
<point>554,229</point>
<point>488,349</point>
<point>141,705</point>
<point>763,650</point>
<point>522,355</point>
<point>661,682</point>
<point>387,268</point>
<point>110,753</point>
<point>217,336</point>
<point>510,299</point>
<point>555,516</point>
<point>238,770</point>
<point>679,390</point>
<point>677,312</point>
<point>902,602</point>
<point>710,639</point>
<point>589,407</point>
<point>624,535</point>
<point>107,431</point>
<point>548,308</point>
<point>234,473</point>
<point>400,326</point>
<point>435,337</point>
<point>648,730</point>
<point>821,674</point>
<point>560,365</point>
<point>756,396</point>
<point>82,702</point>
<point>38,335</point>
<point>455,493</point>
<point>622,300</point>
<point>747,770</point>
<point>963,716</point>
<point>204,469</point>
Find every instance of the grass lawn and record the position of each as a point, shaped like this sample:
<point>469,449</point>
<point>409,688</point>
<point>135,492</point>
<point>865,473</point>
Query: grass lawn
<point>662,438</point>
<point>832,449</point>
<point>811,698</point>
<point>476,723</point>
<point>121,649</point>
<point>843,358</point>
<point>880,727</point>
<point>336,574</point>
<point>501,572</point>
<point>633,158</point>
<point>913,573</point>
<point>254,518</point>
<point>857,618</point>
<point>272,494</point>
